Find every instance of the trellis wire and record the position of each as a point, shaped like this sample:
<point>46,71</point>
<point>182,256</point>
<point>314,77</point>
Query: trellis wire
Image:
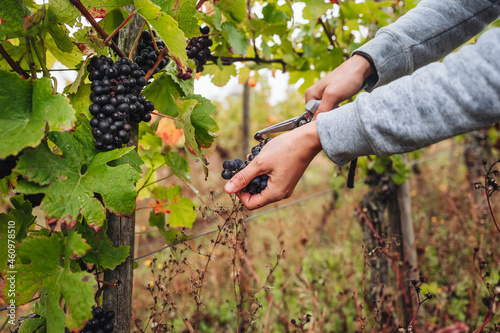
<point>217,229</point>
<point>245,220</point>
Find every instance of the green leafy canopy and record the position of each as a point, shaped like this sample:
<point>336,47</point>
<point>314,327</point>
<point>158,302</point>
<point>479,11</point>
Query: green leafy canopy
<point>28,108</point>
<point>70,180</point>
<point>48,272</point>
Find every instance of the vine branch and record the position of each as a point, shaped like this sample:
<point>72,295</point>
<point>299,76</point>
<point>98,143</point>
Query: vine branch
<point>96,26</point>
<point>162,55</point>
<point>13,64</point>
<point>243,59</point>
<point>106,41</point>
<point>199,4</point>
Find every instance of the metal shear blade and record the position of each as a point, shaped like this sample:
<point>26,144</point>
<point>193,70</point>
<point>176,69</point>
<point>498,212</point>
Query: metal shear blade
<point>290,124</point>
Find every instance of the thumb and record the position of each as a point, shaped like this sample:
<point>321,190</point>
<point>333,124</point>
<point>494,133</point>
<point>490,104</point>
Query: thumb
<point>240,180</point>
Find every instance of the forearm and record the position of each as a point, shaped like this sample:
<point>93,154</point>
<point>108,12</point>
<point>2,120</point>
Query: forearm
<point>438,101</point>
<point>426,34</point>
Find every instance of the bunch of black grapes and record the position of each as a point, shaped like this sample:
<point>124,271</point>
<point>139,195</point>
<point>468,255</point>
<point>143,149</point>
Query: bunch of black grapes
<point>147,53</point>
<point>116,100</point>
<point>7,164</point>
<point>198,48</point>
<point>101,322</point>
<point>232,167</point>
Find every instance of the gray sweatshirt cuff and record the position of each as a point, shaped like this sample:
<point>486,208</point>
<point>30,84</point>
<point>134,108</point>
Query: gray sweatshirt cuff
<point>341,135</point>
<point>383,48</point>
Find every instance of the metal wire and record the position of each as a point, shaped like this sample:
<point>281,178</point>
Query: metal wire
<point>217,229</point>
<point>247,219</point>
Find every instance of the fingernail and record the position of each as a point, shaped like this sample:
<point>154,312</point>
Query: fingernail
<point>230,187</point>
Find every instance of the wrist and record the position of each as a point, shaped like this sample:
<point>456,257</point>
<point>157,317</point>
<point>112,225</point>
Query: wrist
<point>310,138</point>
<point>363,64</point>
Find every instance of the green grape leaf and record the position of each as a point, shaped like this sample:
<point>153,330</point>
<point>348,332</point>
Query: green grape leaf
<point>184,12</point>
<point>14,227</point>
<point>96,4</point>
<point>273,15</point>
<point>71,179</point>
<point>166,27</point>
<point>70,59</point>
<point>181,210</point>
<point>31,325</point>
<point>113,19</point>
<point>58,32</point>
<point>76,247</point>
<point>235,37</point>
<point>315,9</point>
<point>171,236</point>
<point>205,126</point>
<point>12,14</point>
<point>73,88</point>
<point>30,109</point>
<point>44,270</point>
<point>14,51</point>
<point>183,213</point>
<point>185,110</point>
<point>233,10</point>
<point>187,87</point>
<point>42,257</point>
<point>163,92</point>
<point>102,253</point>
<point>64,11</point>
<point>80,99</point>
<point>179,165</point>
<point>220,77</point>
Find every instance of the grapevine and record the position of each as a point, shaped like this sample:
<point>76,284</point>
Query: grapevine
<point>232,167</point>
<point>116,103</point>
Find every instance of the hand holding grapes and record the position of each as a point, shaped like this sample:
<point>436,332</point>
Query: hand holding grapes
<point>340,84</point>
<point>284,159</point>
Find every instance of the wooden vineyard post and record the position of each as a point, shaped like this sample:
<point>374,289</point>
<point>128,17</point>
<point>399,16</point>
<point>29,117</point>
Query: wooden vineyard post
<point>401,225</point>
<point>121,230</point>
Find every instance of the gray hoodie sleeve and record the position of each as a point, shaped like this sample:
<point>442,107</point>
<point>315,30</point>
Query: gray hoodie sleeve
<point>427,33</point>
<point>440,100</point>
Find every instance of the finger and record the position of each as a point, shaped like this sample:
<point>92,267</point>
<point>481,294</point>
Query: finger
<point>255,201</point>
<point>315,92</point>
<point>240,180</point>
<point>330,98</point>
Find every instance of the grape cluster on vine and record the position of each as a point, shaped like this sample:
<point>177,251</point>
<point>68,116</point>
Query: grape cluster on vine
<point>198,48</point>
<point>232,167</point>
<point>147,53</point>
<point>7,164</point>
<point>116,100</point>
<point>101,322</point>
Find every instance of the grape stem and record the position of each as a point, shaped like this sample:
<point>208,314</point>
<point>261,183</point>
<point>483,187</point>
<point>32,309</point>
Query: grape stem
<point>163,115</point>
<point>96,26</point>
<point>106,41</point>
<point>112,285</point>
<point>155,46</point>
<point>13,64</point>
<point>137,39</point>
<point>199,4</point>
<point>162,55</point>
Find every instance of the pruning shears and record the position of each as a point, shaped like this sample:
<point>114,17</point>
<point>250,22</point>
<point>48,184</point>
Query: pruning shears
<point>290,124</point>
<point>306,117</point>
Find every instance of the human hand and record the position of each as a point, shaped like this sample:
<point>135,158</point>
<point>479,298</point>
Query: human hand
<point>284,159</point>
<point>340,84</point>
